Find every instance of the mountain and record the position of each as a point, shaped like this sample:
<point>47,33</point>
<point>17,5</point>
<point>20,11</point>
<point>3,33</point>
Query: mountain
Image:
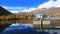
<point>4,11</point>
<point>22,13</point>
<point>50,11</point>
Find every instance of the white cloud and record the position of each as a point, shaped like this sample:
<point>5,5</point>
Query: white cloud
<point>28,9</point>
<point>14,11</point>
<point>17,9</point>
<point>50,4</point>
<point>13,8</point>
<point>57,3</point>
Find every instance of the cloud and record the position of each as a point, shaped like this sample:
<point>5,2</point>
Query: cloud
<point>57,3</point>
<point>28,9</point>
<point>50,4</point>
<point>13,8</point>
<point>17,9</point>
<point>14,11</point>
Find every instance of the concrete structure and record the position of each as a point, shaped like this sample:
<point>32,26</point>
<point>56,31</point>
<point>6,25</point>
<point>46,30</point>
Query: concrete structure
<point>45,24</point>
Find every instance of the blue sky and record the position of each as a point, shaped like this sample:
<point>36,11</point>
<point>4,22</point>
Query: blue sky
<point>14,5</point>
<point>22,3</point>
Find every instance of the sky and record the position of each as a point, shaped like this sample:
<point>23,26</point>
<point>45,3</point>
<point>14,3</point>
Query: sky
<point>22,3</point>
<point>27,5</point>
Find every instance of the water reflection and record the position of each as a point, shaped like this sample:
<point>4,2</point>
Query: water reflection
<point>6,23</point>
<point>3,22</point>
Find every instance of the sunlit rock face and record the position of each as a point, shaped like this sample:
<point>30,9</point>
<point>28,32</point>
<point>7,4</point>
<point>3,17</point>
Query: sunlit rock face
<point>20,29</point>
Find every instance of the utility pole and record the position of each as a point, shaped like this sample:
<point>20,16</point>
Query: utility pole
<point>41,23</point>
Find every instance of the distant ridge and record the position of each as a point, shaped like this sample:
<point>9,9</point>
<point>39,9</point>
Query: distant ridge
<point>4,11</point>
<point>51,11</point>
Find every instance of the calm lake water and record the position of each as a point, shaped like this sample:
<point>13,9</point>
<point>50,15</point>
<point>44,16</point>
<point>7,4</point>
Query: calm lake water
<point>9,22</point>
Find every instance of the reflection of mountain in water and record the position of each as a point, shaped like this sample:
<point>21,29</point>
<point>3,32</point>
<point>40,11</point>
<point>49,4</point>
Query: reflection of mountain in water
<point>4,11</point>
<point>20,29</point>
